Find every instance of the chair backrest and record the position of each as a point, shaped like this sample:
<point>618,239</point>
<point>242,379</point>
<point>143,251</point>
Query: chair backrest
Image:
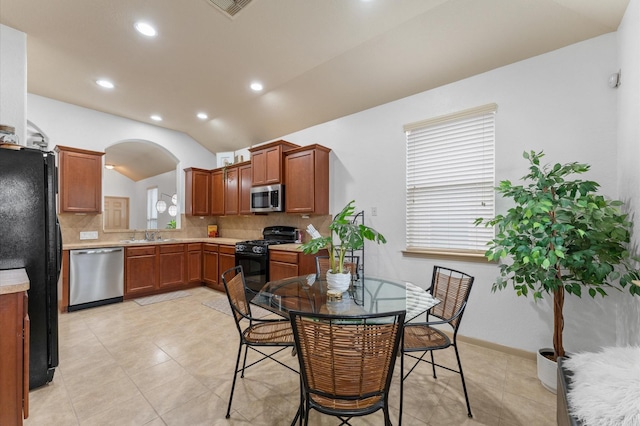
<point>323,265</point>
<point>235,287</point>
<point>452,288</point>
<point>347,358</point>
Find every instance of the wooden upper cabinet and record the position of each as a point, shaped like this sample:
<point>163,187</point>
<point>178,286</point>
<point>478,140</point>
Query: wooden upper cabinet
<point>244,172</point>
<point>79,180</point>
<point>231,191</point>
<point>217,192</point>
<point>197,190</point>
<point>307,180</point>
<point>267,162</point>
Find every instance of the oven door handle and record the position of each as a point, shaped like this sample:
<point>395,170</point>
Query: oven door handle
<point>250,255</point>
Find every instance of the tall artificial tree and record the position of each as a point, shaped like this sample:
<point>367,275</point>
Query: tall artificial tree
<point>560,236</point>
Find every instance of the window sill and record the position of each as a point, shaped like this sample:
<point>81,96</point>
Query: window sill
<point>464,255</point>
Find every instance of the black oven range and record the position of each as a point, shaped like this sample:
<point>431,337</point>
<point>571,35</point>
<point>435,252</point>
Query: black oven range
<point>253,255</point>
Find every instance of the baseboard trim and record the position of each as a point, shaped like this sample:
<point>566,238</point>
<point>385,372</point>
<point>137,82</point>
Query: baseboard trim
<point>496,347</point>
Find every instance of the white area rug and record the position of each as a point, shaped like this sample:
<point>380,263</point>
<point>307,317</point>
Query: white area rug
<point>605,388</point>
<point>161,297</point>
<point>221,304</point>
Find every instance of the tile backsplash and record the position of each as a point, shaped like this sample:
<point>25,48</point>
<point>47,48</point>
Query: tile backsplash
<point>240,227</point>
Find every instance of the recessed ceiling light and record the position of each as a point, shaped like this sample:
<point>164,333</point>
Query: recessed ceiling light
<point>145,29</point>
<point>109,166</point>
<point>256,87</point>
<point>156,118</point>
<point>202,116</point>
<point>105,83</point>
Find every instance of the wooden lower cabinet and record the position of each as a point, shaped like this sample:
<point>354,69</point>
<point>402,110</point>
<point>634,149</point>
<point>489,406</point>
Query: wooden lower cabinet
<point>227,260</point>
<point>194,263</point>
<point>160,268</point>
<point>173,266</point>
<point>141,271</point>
<point>14,358</point>
<point>210,274</point>
<point>286,264</point>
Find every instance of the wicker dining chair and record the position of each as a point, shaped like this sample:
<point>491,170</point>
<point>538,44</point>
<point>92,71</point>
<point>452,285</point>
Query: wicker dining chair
<point>254,333</point>
<point>350,262</point>
<point>452,288</point>
<point>346,362</point>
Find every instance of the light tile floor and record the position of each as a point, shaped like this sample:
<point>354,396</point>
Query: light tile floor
<point>171,363</point>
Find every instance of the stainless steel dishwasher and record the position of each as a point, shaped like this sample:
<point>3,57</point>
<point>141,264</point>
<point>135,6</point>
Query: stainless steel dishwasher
<point>96,277</point>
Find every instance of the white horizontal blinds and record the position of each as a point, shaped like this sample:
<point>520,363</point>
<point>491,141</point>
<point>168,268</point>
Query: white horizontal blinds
<point>450,180</point>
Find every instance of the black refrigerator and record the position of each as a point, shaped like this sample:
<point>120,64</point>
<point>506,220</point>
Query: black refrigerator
<point>30,238</point>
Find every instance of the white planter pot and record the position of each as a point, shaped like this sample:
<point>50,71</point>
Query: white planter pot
<point>547,370</point>
<point>339,282</point>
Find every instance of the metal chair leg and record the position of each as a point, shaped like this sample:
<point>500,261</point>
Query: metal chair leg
<point>235,376</point>
<point>433,365</point>
<point>464,385</point>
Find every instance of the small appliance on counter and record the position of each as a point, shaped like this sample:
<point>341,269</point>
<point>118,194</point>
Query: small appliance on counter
<point>253,255</point>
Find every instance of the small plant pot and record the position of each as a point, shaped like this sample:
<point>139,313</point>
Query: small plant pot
<point>547,370</point>
<point>339,282</point>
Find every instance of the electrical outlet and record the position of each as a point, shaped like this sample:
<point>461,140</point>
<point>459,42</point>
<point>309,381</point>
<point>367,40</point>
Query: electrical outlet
<point>89,235</point>
<point>374,211</point>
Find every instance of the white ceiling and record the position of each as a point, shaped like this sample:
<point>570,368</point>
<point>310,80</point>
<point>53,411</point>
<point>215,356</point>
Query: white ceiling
<point>318,59</point>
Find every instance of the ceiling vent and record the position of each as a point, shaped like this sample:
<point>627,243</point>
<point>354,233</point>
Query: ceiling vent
<point>230,7</point>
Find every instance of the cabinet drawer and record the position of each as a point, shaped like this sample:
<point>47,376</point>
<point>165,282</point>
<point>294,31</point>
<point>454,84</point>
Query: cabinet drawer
<point>210,247</point>
<point>141,251</point>
<point>227,249</point>
<point>283,256</point>
<point>194,247</point>
<point>171,248</point>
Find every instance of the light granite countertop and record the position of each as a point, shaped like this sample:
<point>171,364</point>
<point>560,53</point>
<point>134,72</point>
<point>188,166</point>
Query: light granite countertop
<point>100,244</point>
<point>218,240</point>
<point>13,281</point>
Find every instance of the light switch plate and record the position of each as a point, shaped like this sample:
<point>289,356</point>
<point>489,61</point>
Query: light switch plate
<point>89,235</point>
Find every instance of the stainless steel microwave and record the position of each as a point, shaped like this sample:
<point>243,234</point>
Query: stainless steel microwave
<point>268,198</point>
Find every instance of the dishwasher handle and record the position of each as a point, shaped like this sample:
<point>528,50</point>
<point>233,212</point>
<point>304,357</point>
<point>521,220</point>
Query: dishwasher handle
<point>98,251</point>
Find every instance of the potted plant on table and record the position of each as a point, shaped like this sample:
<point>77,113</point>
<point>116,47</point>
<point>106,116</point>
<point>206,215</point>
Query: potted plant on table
<point>351,236</point>
<point>560,237</point>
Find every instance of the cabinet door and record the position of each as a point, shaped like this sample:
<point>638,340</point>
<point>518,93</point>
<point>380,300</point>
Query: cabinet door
<point>259,167</point>
<point>210,274</point>
<point>307,180</point>
<point>282,264</point>
<point>226,261</point>
<point>80,180</point>
<point>12,358</point>
<point>244,204</point>
<point>217,192</point>
<point>300,182</point>
<point>197,191</point>
<point>266,166</point>
<point>141,271</point>
<point>231,191</point>
<point>280,270</point>
<point>273,172</point>
<point>173,269</point>
<point>194,263</point>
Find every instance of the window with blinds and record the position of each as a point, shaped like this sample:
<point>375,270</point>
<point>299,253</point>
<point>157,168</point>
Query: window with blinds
<point>450,181</point>
<point>152,212</point>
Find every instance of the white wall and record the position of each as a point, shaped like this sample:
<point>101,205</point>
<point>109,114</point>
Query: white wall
<point>71,125</point>
<point>13,80</point>
<point>558,102</point>
<point>628,312</point>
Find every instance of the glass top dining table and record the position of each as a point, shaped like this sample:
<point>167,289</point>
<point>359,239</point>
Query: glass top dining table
<point>366,295</point>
